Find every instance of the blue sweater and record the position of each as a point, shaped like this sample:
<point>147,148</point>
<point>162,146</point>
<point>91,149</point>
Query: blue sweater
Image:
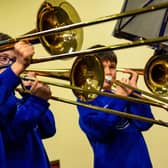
<point>117,142</point>
<point>24,123</point>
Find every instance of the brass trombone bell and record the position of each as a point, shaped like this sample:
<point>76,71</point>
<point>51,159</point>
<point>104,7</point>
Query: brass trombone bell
<point>54,14</point>
<point>156,74</point>
<point>86,73</point>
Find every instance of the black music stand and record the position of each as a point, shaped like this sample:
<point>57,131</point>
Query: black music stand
<point>143,26</point>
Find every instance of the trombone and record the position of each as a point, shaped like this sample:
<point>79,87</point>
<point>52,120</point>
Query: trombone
<point>48,23</point>
<point>110,111</point>
<point>52,15</point>
<point>87,84</point>
<point>155,74</point>
<point>87,76</point>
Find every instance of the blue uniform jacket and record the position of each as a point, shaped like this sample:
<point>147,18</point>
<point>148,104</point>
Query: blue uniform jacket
<point>117,142</point>
<point>24,123</point>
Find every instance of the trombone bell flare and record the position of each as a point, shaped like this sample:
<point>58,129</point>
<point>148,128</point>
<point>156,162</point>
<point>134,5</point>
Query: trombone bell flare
<point>156,74</point>
<point>54,14</point>
<point>87,73</point>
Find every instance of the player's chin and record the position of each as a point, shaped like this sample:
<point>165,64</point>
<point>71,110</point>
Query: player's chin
<point>106,85</point>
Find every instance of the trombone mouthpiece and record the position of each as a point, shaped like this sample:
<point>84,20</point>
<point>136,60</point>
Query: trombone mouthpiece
<point>108,78</point>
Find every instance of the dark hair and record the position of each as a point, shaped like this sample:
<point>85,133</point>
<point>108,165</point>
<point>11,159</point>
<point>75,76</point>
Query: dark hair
<point>4,36</point>
<point>107,55</point>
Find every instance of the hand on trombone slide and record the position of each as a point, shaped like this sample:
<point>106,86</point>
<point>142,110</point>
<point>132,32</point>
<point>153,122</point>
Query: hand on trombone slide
<point>36,87</point>
<point>132,81</point>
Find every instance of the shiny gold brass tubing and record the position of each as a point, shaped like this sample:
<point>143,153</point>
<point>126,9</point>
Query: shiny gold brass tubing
<point>137,70</point>
<point>51,73</point>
